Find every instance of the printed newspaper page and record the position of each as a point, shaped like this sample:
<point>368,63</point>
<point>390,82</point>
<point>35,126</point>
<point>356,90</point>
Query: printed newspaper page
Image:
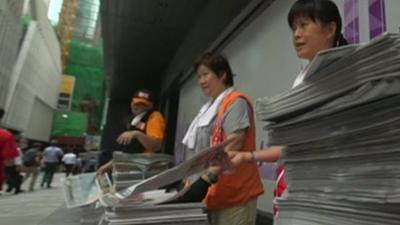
<point>84,189</point>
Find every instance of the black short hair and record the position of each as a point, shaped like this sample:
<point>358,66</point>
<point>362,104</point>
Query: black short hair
<point>1,113</point>
<point>218,64</point>
<point>325,11</point>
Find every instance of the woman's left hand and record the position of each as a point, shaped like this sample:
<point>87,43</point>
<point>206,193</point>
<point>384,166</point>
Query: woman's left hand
<point>127,137</point>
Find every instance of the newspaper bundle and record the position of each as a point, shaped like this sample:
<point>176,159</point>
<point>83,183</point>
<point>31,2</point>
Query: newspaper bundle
<point>342,132</point>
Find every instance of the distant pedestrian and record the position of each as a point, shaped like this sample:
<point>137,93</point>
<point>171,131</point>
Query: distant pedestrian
<point>32,158</point>
<point>78,166</point>
<point>8,152</point>
<point>90,165</point>
<point>52,156</point>
<point>70,162</point>
<point>14,177</point>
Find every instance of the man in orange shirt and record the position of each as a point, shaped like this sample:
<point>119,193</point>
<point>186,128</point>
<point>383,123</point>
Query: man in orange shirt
<point>145,131</point>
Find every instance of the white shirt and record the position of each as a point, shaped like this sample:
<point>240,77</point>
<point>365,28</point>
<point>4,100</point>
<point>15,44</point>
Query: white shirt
<point>69,159</point>
<point>18,159</point>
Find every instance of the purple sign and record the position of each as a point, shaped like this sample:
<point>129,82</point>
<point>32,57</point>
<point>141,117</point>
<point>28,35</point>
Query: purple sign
<point>351,21</point>
<point>377,17</point>
<point>267,171</point>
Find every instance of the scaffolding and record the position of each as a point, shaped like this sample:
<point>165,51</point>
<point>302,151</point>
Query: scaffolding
<point>66,28</point>
<point>82,57</point>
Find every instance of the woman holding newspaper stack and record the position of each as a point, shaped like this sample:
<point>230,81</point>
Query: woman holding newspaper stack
<point>316,25</point>
<point>227,115</point>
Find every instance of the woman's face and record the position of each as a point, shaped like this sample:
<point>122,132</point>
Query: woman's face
<point>209,82</point>
<point>310,37</point>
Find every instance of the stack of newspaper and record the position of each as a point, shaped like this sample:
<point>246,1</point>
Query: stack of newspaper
<point>129,169</point>
<point>183,213</point>
<point>342,130</point>
<point>144,203</point>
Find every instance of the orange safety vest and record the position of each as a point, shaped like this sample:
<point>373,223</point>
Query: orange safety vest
<point>245,183</point>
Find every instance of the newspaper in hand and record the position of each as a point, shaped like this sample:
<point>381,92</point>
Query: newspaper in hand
<point>200,162</point>
<point>85,188</point>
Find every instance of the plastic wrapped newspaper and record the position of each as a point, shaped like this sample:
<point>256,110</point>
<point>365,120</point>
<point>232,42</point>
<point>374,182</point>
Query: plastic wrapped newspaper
<point>129,169</point>
<point>85,189</point>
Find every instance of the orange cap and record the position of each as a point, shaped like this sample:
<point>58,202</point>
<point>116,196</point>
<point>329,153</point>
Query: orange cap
<point>142,97</point>
<point>140,101</point>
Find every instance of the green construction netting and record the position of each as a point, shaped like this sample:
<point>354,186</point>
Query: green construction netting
<point>84,53</point>
<point>25,20</point>
<point>88,85</point>
<point>86,64</point>
<point>69,124</point>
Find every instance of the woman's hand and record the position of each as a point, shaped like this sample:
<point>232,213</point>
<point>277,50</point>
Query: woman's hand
<point>127,137</point>
<point>104,168</point>
<point>238,158</point>
<point>187,184</point>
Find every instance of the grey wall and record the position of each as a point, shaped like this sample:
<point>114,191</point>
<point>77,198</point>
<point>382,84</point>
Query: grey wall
<point>33,87</point>
<point>10,37</point>
<point>393,15</point>
<point>33,95</point>
<point>214,19</point>
<point>40,121</point>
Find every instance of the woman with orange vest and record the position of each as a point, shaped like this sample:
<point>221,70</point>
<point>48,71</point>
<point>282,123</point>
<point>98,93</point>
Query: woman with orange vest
<point>316,25</point>
<point>227,115</point>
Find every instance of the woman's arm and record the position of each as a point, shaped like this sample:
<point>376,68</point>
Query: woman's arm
<point>238,138</point>
<point>270,154</point>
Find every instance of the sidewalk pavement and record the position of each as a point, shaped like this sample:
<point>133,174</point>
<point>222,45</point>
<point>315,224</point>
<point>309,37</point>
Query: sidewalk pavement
<point>43,206</point>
